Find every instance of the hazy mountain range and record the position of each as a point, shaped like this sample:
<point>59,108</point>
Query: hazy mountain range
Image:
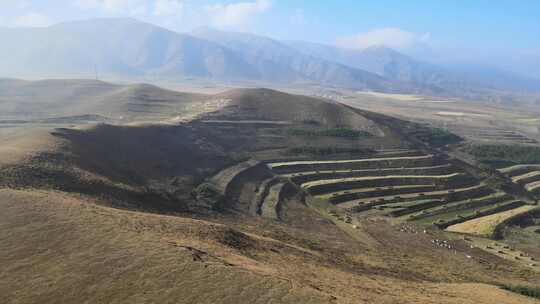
<point>127,47</point>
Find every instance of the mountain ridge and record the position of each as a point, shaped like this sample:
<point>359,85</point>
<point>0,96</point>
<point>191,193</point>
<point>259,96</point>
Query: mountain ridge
<point>397,66</point>
<point>100,46</point>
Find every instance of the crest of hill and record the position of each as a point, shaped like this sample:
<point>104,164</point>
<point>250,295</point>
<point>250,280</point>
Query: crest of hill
<point>267,104</point>
<point>72,97</point>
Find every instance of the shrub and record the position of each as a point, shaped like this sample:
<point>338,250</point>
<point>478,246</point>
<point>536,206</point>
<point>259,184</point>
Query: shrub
<point>323,151</point>
<point>310,122</point>
<point>492,154</point>
<point>207,193</point>
<point>335,132</point>
<point>436,137</point>
<point>533,292</point>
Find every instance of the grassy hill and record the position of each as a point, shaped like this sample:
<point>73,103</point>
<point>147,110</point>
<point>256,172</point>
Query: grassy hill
<point>33,100</point>
<point>214,209</point>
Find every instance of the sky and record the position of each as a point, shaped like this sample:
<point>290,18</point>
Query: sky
<point>506,32</point>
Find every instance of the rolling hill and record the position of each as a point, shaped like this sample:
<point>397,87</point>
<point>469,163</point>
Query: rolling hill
<point>57,99</point>
<point>269,197</point>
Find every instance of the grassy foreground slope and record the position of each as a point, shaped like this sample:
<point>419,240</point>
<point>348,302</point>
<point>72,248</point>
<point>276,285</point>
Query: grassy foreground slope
<point>63,248</point>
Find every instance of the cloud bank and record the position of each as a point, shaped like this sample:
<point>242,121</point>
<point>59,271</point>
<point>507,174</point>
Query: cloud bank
<point>132,7</point>
<point>236,15</point>
<point>390,37</point>
<point>239,15</point>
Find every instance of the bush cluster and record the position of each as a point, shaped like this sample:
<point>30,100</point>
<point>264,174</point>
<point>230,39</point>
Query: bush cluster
<point>436,137</point>
<point>505,153</point>
<point>323,151</point>
<point>335,132</point>
<point>533,292</point>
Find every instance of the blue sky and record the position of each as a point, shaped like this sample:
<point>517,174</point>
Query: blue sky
<point>454,29</point>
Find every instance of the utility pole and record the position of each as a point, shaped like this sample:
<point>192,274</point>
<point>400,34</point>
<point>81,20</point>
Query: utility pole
<point>96,71</point>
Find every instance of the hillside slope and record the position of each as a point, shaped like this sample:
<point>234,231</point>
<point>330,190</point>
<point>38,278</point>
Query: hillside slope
<point>64,248</point>
<point>60,98</point>
<point>274,105</point>
<point>282,63</point>
<point>199,212</point>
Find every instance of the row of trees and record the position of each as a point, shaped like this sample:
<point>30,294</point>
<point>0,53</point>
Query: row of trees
<point>334,132</point>
<point>324,151</point>
<point>505,153</point>
<point>436,137</point>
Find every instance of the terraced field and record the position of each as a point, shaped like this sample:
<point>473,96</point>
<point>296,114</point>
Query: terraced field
<point>525,175</point>
<point>250,186</point>
<point>425,188</point>
<point>358,185</point>
<point>422,188</point>
<point>498,135</point>
<point>487,225</point>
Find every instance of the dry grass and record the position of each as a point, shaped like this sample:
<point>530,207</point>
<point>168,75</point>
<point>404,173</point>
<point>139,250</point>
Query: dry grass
<point>62,248</point>
<point>387,177</point>
<point>365,170</point>
<point>269,206</point>
<point>532,186</point>
<point>517,167</point>
<point>224,177</point>
<point>59,248</point>
<point>292,163</point>
<point>70,248</point>
<point>486,225</point>
<point>24,144</point>
<point>366,190</point>
<point>461,114</point>
<point>410,195</point>
<point>402,97</point>
<point>517,178</point>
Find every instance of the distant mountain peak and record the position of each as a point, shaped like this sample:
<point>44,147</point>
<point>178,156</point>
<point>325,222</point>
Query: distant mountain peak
<point>382,50</point>
<point>377,47</point>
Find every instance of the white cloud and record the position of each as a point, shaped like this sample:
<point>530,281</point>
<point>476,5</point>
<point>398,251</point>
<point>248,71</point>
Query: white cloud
<point>390,37</point>
<point>32,19</point>
<point>236,15</point>
<point>132,7</point>
<point>168,7</point>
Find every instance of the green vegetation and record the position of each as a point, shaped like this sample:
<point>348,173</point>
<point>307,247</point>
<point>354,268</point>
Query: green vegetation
<point>209,195</point>
<point>310,122</point>
<point>323,151</point>
<point>436,137</point>
<point>493,154</point>
<point>335,132</point>
<point>533,292</point>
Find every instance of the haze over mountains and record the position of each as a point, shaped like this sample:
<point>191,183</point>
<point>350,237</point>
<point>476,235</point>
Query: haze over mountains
<point>396,66</point>
<point>129,48</point>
